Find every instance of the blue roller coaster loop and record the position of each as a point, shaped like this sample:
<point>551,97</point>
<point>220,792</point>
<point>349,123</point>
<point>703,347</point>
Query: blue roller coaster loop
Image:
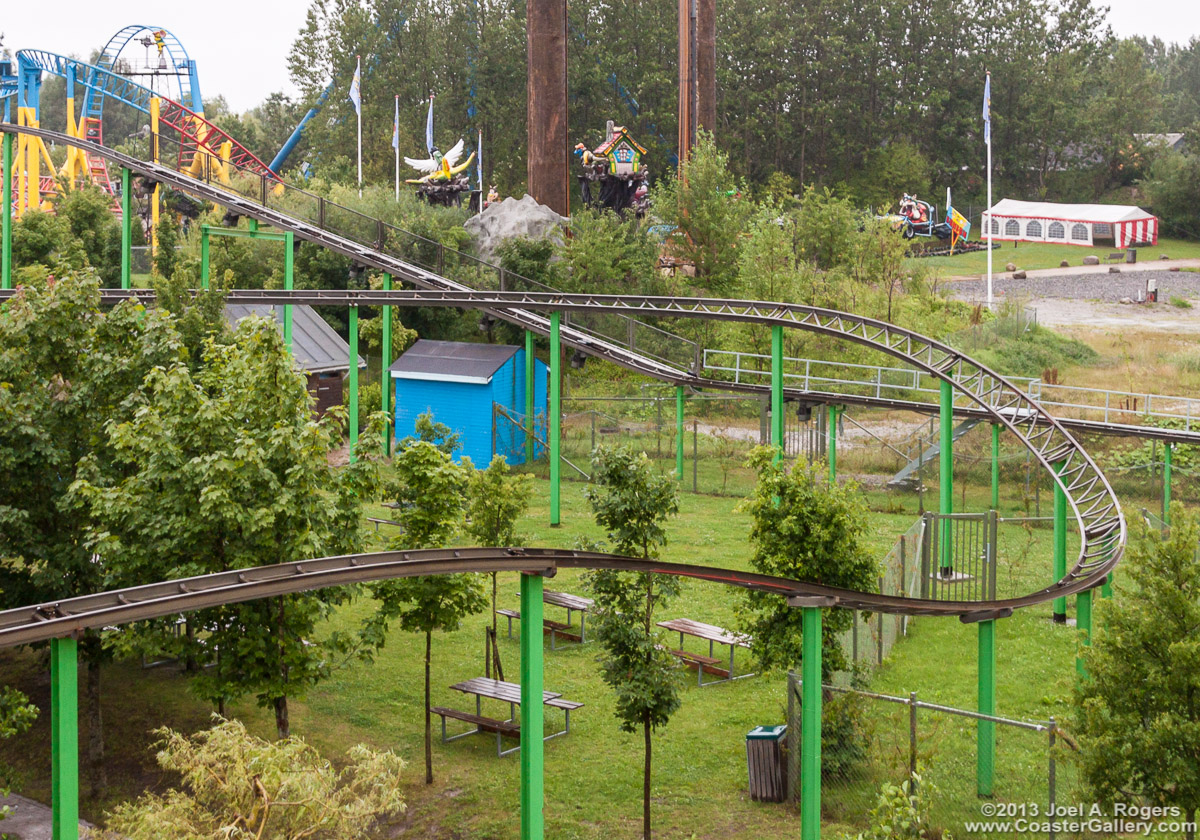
<point>98,82</point>
<point>179,66</point>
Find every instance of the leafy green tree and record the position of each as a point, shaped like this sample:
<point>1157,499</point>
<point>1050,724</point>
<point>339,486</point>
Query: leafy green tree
<point>804,529</point>
<point>16,715</point>
<point>632,503</point>
<point>1173,187</point>
<point>434,432</point>
<point>228,469</point>
<point>1138,714</point>
<point>40,238</point>
<point>430,490</point>
<point>498,498</point>
<point>67,370</point>
<point>234,784</point>
<point>606,254</point>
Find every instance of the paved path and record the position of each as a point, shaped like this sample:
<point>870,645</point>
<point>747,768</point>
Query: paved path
<point>999,273</point>
<point>29,820</point>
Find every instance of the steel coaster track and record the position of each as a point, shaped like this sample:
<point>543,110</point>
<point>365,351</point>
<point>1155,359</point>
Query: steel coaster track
<point>1094,504</point>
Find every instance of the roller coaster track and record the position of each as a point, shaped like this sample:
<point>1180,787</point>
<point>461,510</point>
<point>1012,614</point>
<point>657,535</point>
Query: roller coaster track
<point>196,134</point>
<point>977,389</point>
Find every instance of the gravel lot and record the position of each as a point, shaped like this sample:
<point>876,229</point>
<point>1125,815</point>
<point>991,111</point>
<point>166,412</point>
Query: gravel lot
<point>1100,287</point>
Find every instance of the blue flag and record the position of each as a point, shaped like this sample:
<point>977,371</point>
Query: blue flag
<point>429,128</point>
<point>396,127</point>
<point>356,88</point>
<point>987,109</point>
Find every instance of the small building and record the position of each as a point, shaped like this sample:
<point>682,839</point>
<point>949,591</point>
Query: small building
<point>319,351</point>
<point>478,390</point>
<point>622,152</point>
<point>1070,224</point>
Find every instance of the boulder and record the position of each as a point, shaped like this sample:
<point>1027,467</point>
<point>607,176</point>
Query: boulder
<point>1173,268</point>
<point>1114,269</point>
<point>1163,257</point>
<point>1091,259</point>
<point>1018,275</point>
<point>510,218</point>
<point>1125,300</point>
<point>1010,267</point>
<point>1064,264</point>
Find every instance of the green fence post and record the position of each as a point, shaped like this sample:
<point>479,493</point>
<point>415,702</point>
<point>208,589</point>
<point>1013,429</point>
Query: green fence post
<point>810,728</point>
<point>679,432</point>
<point>832,436</point>
<point>532,782</point>
<point>126,229</point>
<point>986,732</point>
<point>1060,543</point>
<point>1166,510</point>
<point>777,390</point>
<point>6,219</point>
<point>995,466</point>
<point>385,383</point>
<point>946,462</point>
<point>530,387</point>
<point>1083,624</point>
<point>352,380</point>
<point>289,272</point>
<point>64,739</point>
<point>555,417</point>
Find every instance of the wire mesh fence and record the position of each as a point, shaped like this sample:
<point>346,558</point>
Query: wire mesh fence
<point>869,739</point>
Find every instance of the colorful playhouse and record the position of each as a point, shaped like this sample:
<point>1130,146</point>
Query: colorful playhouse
<point>478,390</point>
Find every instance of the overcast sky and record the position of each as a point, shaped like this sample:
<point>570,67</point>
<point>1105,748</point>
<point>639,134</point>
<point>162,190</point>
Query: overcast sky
<point>241,49</point>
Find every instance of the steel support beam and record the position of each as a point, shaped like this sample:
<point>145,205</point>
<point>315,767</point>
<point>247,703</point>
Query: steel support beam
<point>1166,494</point>
<point>352,382</point>
<point>155,206</point>
<point>985,761</point>
<point>546,56</point>
<point>289,270</point>
<point>6,218</point>
<point>832,435</point>
<point>385,378</point>
<point>555,419</point>
<point>777,390</point>
<point>810,730</point>
<point>532,759</point>
<point>946,478</point>
<point>64,739</point>
<point>126,228</point>
<point>530,392</point>
<point>1083,624</point>
<point>995,466</point>
<point>1060,544</point>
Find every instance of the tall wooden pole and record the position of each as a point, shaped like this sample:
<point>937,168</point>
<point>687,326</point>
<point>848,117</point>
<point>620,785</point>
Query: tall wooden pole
<point>706,64</point>
<point>548,159</point>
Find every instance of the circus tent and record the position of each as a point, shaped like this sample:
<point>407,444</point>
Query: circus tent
<point>1070,224</point>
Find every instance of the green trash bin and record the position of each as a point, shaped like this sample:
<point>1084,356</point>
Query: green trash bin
<point>764,763</point>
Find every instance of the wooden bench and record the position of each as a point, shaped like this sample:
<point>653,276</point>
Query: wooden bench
<point>1115,257</point>
<point>707,664</point>
<point>549,627</point>
<point>482,724</point>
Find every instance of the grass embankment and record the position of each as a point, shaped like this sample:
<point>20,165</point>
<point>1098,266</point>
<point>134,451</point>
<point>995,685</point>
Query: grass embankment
<point>593,775</point>
<point>1035,255</point>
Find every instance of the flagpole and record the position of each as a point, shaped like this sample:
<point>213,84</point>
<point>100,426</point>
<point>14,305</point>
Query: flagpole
<point>989,200</point>
<point>395,138</point>
<point>357,72</point>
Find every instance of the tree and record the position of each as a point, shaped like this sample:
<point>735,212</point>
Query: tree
<point>1139,707</point>
<point>236,785</point>
<point>228,469</point>
<point>632,504</point>
<point>498,498</point>
<point>16,715</point>
<point>432,431</point>
<point>166,258</point>
<point>430,490</point>
<point>804,529</point>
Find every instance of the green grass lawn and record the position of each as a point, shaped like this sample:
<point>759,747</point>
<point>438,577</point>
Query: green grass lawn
<point>593,781</point>
<point>1034,255</point>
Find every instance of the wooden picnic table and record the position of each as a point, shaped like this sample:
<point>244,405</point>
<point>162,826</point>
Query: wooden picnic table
<point>505,692</point>
<point>713,635</point>
<point>571,603</point>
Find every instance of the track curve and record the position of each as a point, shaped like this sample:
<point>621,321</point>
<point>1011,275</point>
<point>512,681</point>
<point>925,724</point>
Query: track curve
<point>1091,499</point>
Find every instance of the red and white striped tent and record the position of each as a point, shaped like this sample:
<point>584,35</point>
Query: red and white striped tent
<point>1070,224</point>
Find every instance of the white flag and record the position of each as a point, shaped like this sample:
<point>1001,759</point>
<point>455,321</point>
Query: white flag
<point>356,88</point>
<point>396,127</point>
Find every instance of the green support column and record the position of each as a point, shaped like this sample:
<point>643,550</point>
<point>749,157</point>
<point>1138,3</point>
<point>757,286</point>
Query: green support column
<point>385,384</point>
<point>986,731</point>
<point>532,782</point>
<point>946,462</point>
<point>555,417</point>
<point>205,265</point>
<point>352,380</point>
<point>1083,623</point>
<point>289,271</point>
<point>832,436</point>
<point>995,466</point>
<point>1166,510</point>
<point>530,388</point>
<point>126,229</point>
<point>679,432</point>
<point>1060,544</point>
<point>6,219</point>
<point>64,739</point>
<point>777,390</point>
<point>810,728</point>
<point>1106,587</point>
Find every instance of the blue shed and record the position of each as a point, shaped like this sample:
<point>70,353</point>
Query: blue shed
<point>478,390</point>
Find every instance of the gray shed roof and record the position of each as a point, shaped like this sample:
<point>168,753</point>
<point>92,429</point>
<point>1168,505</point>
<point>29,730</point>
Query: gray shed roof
<point>315,344</point>
<point>452,361</point>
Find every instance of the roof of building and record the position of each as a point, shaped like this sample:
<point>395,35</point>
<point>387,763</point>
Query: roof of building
<point>619,134</point>
<point>1171,139</point>
<point>452,361</point>
<point>315,344</point>
<point>1091,213</point>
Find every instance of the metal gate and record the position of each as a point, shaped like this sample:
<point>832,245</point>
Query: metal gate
<point>966,570</point>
